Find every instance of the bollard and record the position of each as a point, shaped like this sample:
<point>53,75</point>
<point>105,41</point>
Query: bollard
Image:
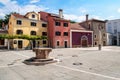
<point>99,46</point>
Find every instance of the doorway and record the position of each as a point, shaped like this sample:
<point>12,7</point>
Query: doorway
<point>65,44</point>
<point>84,41</point>
<point>20,44</point>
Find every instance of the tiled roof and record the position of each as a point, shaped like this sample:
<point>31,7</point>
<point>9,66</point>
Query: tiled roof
<point>19,16</point>
<point>77,26</point>
<point>96,20</point>
<point>61,19</point>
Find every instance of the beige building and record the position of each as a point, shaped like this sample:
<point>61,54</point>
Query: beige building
<point>28,24</point>
<point>99,30</point>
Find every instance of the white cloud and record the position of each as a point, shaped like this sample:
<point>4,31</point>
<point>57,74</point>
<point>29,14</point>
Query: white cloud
<point>4,1</point>
<point>119,10</point>
<point>74,17</point>
<point>13,6</point>
<point>83,10</point>
<point>81,18</point>
<point>34,1</point>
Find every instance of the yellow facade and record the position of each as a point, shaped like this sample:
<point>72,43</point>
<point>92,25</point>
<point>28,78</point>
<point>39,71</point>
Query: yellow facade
<point>24,23</point>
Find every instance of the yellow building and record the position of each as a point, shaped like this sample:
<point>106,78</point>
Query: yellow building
<point>29,24</point>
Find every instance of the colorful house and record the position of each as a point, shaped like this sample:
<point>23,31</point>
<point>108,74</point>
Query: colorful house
<point>80,37</point>
<point>29,24</point>
<point>58,29</point>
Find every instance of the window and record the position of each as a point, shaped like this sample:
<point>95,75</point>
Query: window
<point>57,33</point>
<point>95,43</point>
<point>58,43</point>
<point>65,24</point>
<point>44,42</point>
<point>65,33</point>
<point>44,25</point>
<point>33,16</point>
<point>33,33</point>
<point>19,22</point>
<point>89,27</point>
<point>95,36</point>
<point>57,23</point>
<point>44,33</point>
<point>103,35</point>
<point>33,24</point>
<point>19,32</point>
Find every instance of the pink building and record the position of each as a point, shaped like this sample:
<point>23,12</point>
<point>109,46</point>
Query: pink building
<point>58,29</point>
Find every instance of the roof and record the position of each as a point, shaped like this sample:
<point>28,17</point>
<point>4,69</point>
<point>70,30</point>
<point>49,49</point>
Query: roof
<point>77,26</point>
<point>96,20</point>
<point>61,19</point>
<point>19,16</point>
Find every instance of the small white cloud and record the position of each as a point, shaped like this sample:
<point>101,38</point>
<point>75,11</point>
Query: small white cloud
<point>4,1</point>
<point>119,10</point>
<point>34,1</point>
<point>83,10</point>
<point>111,17</point>
<point>74,17</point>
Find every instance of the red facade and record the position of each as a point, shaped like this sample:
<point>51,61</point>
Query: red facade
<point>58,30</point>
<point>81,39</point>
<point>80,36</point>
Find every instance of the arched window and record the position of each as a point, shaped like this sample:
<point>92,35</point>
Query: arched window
<point>33,33</point>
<point>19,32</point>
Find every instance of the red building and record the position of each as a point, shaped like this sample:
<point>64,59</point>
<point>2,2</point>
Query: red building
<point>80,37</point>
<point>58,29</point>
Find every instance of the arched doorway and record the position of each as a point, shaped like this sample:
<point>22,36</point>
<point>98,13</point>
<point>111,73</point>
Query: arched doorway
<point>84,41</point>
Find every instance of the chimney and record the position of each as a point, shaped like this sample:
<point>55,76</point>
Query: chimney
<point>87,17</point>
<point>61,13</point>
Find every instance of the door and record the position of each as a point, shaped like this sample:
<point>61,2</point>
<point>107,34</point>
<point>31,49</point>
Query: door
<point>84,43</point>
<point>65,43</point>
<point>20,44</point>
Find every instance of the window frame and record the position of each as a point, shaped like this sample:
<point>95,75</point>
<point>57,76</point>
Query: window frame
<point>65,24</point>
<point>65,34</point>
<point>57,23</point>
<point>57,33</point>
<point>19,22</point>
<point>33,34</point>
<point>19,32</point>
<point>33,23</point>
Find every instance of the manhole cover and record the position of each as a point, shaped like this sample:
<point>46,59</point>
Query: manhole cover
<point>77,63</point>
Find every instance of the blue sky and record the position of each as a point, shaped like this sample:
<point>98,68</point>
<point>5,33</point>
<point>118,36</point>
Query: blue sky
<point>73,9</point>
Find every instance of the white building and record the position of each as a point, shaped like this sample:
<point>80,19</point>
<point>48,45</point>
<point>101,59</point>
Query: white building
<point>113,28</point>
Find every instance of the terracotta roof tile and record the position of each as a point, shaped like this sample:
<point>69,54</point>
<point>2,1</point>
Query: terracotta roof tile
<point>77,26</point>
<point>19,16</point>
